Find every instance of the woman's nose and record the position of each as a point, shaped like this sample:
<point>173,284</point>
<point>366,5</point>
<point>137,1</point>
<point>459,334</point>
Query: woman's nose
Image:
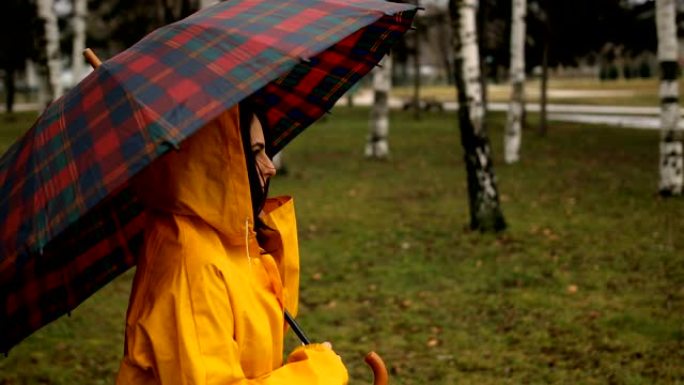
<point>271,168</point>
<point>266,166</point>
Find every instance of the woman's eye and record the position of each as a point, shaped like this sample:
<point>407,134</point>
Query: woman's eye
<point>257,149</point>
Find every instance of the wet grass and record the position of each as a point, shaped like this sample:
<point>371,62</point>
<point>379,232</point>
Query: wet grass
<point>586,286</point>
<point>12,126</point>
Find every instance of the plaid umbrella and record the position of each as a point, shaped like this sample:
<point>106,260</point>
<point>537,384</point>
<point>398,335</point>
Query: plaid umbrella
<point>69,222</point>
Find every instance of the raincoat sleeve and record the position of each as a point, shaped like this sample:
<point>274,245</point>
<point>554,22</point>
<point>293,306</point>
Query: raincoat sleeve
<point>311,364</point>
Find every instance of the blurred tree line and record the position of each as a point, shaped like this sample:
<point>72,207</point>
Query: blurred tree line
<point>118,24</point>
<point>613,32</point>
<point>112,25</point>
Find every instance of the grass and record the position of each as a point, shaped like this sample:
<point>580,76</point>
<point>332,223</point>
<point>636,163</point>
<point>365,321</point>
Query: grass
<point>586,286</point>
<point>11,127</point>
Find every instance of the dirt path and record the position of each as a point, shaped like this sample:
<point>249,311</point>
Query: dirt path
<point>638,117</point>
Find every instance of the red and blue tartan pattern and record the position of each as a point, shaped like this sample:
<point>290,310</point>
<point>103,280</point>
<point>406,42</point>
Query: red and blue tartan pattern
<point>70,223</point>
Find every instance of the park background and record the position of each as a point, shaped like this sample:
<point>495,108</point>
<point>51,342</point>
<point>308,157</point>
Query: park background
<point>586,284</point>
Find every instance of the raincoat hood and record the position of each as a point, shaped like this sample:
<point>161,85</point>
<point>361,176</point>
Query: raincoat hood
<point>207,178</point>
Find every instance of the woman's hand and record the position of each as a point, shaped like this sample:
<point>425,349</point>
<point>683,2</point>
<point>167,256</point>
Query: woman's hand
<point>321,362</point>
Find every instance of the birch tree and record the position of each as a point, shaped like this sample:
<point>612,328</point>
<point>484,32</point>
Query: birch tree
<point>483,197</point>
<point>544,85</point>
<point>671,153</point>
<point>377,145</point>
<point>79,24</point>
<point>46,12</point>
<point>207,3</point>
<point>516,107</point>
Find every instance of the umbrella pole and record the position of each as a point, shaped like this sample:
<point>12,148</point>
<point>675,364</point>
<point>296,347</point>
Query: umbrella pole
<point>296,329</point>
<point>380,375</point>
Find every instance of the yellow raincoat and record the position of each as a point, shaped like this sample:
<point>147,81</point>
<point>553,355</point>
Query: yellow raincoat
<point>207,300</point>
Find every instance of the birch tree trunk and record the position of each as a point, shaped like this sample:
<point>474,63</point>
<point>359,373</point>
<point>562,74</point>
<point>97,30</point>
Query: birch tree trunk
<point>513,134</point>
<point>377,146</point>
<point>79,21</point>
<point>483,197</point>
<point>54,65</point>
<point>544,86</point>
<point>31,75</point>
<point>671,153</point>
<point>416,69</point>
<point>207,3</point>
<point>33,82</point>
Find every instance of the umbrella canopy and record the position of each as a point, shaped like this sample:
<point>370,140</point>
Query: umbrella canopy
<point>69,222</point>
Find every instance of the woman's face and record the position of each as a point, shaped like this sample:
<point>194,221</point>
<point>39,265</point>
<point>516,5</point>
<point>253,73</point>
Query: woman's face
<point>265,168</point>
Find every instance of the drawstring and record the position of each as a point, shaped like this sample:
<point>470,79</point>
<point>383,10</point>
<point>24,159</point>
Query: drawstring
<point>249,258</point>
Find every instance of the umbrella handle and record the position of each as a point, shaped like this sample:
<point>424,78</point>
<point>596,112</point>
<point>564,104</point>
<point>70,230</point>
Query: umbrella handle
<point>380,375</point>
<point>91,58</point>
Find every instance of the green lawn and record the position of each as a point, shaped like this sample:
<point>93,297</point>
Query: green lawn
<point>586,287</point>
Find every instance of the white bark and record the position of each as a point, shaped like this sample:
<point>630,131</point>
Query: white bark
<point>516,108</point>
<point>671,151</point>
<point>207,3</point>
<point>471,62</point>
<point>79,24</point>
<point>31,75</point>
<point>377,145</point>
<point>666,12</point>
<point>47,13</point>
<point>671,155</point>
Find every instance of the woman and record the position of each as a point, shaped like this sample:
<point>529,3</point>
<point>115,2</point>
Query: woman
<point>211,286</point>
